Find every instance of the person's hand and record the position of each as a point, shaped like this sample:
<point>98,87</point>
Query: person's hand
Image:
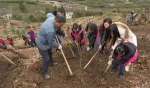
<point>60,47</point>
<point>66,35</point>
<point>57,50</point>
<point>76,43</point>
<point>110,61</point>
<point>85,32</point>
<point>88,48</point>
<point>99,47</point>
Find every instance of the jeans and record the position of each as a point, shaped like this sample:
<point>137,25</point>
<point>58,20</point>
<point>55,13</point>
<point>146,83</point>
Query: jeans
<point>33,43</point>
<point>46,59</point>
<point>122,68</point>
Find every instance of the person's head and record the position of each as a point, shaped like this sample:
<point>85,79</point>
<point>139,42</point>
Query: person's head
<point>59,11</point>
<point>59,21</point>
<point>75,27</point>
<point>93,27</point>
<point>113,33</point>
<point>28,28</point>
<point>107,22</point>
<point>120,49</point>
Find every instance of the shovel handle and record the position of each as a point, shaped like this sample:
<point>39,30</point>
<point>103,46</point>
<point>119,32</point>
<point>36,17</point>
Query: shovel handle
<point>65,59</point>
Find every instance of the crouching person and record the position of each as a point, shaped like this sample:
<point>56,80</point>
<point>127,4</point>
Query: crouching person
<point>46,40</point>
<point>124,54</point>
<point>10,40</point>
<point>77,36</point>
<point>2,44</point>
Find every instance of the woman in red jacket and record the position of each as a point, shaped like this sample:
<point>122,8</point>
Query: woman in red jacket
<point>10,40</point>
<point>2,44</point>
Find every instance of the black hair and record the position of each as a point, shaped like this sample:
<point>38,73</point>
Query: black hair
<point>75,26</point>
<point>102,29</point>
<point>28,26</point>
<point>93,27</point>
<point>88,26</point>
<point>120,49</point>
<point>55,13</point>
<point>22,35</point>
<point>60,19</point>
<point>113,29</point>
<point>80,27</point>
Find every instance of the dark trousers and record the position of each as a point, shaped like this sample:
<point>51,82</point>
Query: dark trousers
<point>46,59</point>
<point>33,43</point>
<point>91,39</point>
<point>122,68</point>
<point>25,43</point>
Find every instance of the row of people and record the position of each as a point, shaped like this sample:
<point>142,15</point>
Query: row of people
<point>29,37</point>
<point>132,15</point>
<point>108,32</point>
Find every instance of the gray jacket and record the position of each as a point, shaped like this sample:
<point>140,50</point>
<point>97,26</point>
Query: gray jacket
<point>46,36</point>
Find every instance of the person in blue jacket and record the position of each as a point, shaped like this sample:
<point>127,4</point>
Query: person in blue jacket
<point>46,40</point>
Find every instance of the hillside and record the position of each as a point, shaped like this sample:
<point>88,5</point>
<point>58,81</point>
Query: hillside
<point>27,73</point>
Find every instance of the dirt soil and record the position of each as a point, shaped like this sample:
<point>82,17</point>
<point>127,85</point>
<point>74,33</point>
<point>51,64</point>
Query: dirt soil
<point>27,72</point>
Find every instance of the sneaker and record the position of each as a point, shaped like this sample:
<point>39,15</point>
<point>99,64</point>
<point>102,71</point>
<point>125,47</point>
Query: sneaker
<point>120,76</point>
<point>53,64</point>
<point>113,70</point>
<point>46,76</point>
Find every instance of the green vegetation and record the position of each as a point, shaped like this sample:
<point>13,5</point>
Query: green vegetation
<point>35,11</point>
<point>107,3</point>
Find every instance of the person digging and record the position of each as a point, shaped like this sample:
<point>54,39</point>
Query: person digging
<point>124,54</point>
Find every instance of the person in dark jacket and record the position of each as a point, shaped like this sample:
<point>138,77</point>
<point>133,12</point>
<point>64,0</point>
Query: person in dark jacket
<point>124,54</point>
<point>60,33</point>
<point>92,35</point>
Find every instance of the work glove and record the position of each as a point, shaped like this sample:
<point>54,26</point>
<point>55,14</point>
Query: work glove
<point>110,61</point>
<point>88,48</point>
<point>60,47</point>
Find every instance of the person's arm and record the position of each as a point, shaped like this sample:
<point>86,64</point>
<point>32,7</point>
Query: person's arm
<point>118,41</point>
<point>72,37</point>
<point>81,36</point>
<point>131,48</point>
<point>92,40</point>
<point>114,57</point>
<point>51,39</point>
